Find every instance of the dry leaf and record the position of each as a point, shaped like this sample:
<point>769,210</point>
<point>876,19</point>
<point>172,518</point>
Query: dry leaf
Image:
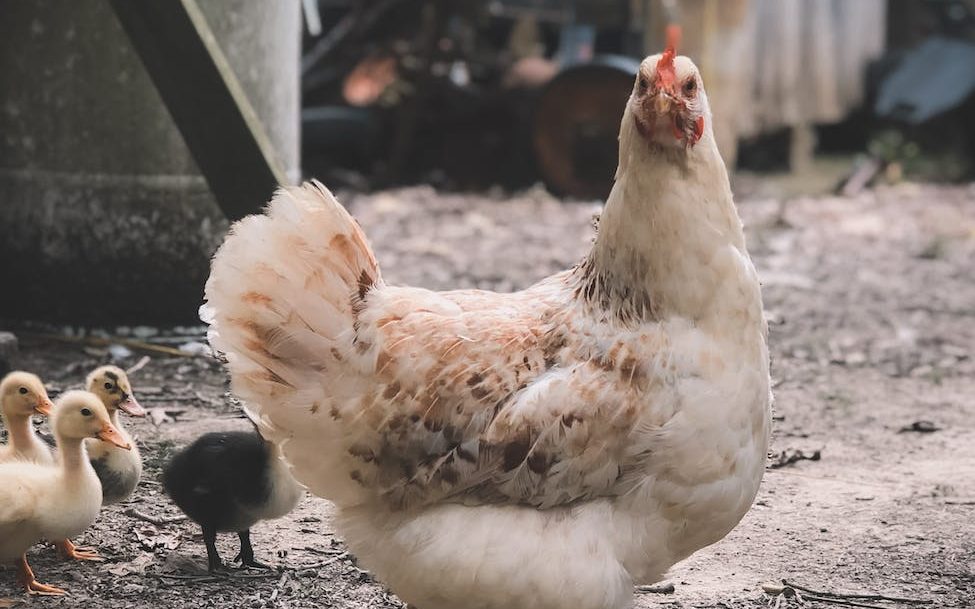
<point>135,566</point>
<point>151,539</point>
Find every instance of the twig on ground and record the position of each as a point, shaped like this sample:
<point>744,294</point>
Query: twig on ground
<point>839,601</point>
<point>97,341</point>
<point>959,501</point>
<point>864,597</point>
<point>159,521</point>
<point>252,575</point>
<point>139,365</point>
<point>329,552</point>
<point>216,577</point>
<point>279,586</point>
<point>664,588</point>
<point>919,427</point>
<point>324,563</point>
<point>200,579</point>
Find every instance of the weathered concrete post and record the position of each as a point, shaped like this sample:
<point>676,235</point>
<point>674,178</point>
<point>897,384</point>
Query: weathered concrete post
<point>104,216</point>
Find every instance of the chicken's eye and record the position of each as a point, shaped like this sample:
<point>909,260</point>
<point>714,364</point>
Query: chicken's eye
<point>22,391</point>
<point>85,412</point>
<point>643,83</point>
<point>690,87</point>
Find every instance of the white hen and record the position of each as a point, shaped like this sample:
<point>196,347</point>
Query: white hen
<point>543,449</point>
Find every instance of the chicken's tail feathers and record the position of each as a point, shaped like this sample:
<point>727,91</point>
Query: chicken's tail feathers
<point>282,300</point>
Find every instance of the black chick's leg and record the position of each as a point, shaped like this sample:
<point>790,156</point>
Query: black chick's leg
<point>246,556</point>
<point>213,558</point>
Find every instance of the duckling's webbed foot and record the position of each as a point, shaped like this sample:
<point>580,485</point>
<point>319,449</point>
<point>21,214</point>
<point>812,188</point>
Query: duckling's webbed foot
<point>246,555</point>
<point>69,551</point>
<point>36,588</point>
<point>25,576</point>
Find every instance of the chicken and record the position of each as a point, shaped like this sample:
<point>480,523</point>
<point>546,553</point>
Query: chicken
<point>543,449</point>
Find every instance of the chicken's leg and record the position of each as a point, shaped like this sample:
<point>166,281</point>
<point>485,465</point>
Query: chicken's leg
<point>25,577</point>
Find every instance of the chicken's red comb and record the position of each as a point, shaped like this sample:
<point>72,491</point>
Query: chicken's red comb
<point>665,67</point>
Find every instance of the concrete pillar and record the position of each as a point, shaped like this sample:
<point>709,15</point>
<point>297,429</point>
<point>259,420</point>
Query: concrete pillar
<point>104,216</point>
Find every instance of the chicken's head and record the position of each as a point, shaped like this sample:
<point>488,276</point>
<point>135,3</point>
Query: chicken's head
<point>668,102</point>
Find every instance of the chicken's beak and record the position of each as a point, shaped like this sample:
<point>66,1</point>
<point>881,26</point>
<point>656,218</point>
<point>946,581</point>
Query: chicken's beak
<point>44,407</point>
<point>112,436</point>
<point>131,406</point>
<point>663,103</point>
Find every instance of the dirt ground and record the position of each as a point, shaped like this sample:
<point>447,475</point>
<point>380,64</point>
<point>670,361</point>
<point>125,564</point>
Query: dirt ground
<point>871,302</point>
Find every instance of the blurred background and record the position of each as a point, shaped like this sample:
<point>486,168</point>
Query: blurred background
<point>132,132</point>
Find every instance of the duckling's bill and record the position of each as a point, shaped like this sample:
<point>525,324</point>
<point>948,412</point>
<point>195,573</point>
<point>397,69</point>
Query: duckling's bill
<point>111,435</point>
<point>44,406</point>
<point>130,406</point>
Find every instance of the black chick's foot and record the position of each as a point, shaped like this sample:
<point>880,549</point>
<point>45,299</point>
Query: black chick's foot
<point>246,555</point>
<point>252,563</point>
<point>214,563</point>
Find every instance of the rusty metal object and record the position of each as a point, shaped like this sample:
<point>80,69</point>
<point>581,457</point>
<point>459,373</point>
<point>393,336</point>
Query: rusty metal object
<point>363,86</point>
<point>576,124</point>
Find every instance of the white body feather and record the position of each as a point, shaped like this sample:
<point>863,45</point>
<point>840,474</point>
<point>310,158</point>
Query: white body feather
<point>543,449</point>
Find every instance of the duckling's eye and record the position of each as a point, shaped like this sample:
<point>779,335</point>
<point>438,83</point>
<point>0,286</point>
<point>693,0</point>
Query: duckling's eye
<point>108,386</point>
<point>690,87</point>
<point>22,391</point>
<point>85,412</point>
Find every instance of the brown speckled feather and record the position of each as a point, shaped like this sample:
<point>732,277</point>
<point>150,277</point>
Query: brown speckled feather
<point>469,395</point>
<point>493,397</point>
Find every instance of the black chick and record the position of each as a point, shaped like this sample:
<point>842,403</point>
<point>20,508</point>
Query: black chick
<point>227,482</point>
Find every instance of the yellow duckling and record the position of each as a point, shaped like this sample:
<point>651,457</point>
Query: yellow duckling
<point>119,470</point>
<point>54,501</point>
<point>22,394</point>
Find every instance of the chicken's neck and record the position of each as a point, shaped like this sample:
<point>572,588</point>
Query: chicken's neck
<point>667,236</point>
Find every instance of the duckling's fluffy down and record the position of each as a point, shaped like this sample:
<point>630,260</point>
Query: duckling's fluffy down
<point>228,481</point>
